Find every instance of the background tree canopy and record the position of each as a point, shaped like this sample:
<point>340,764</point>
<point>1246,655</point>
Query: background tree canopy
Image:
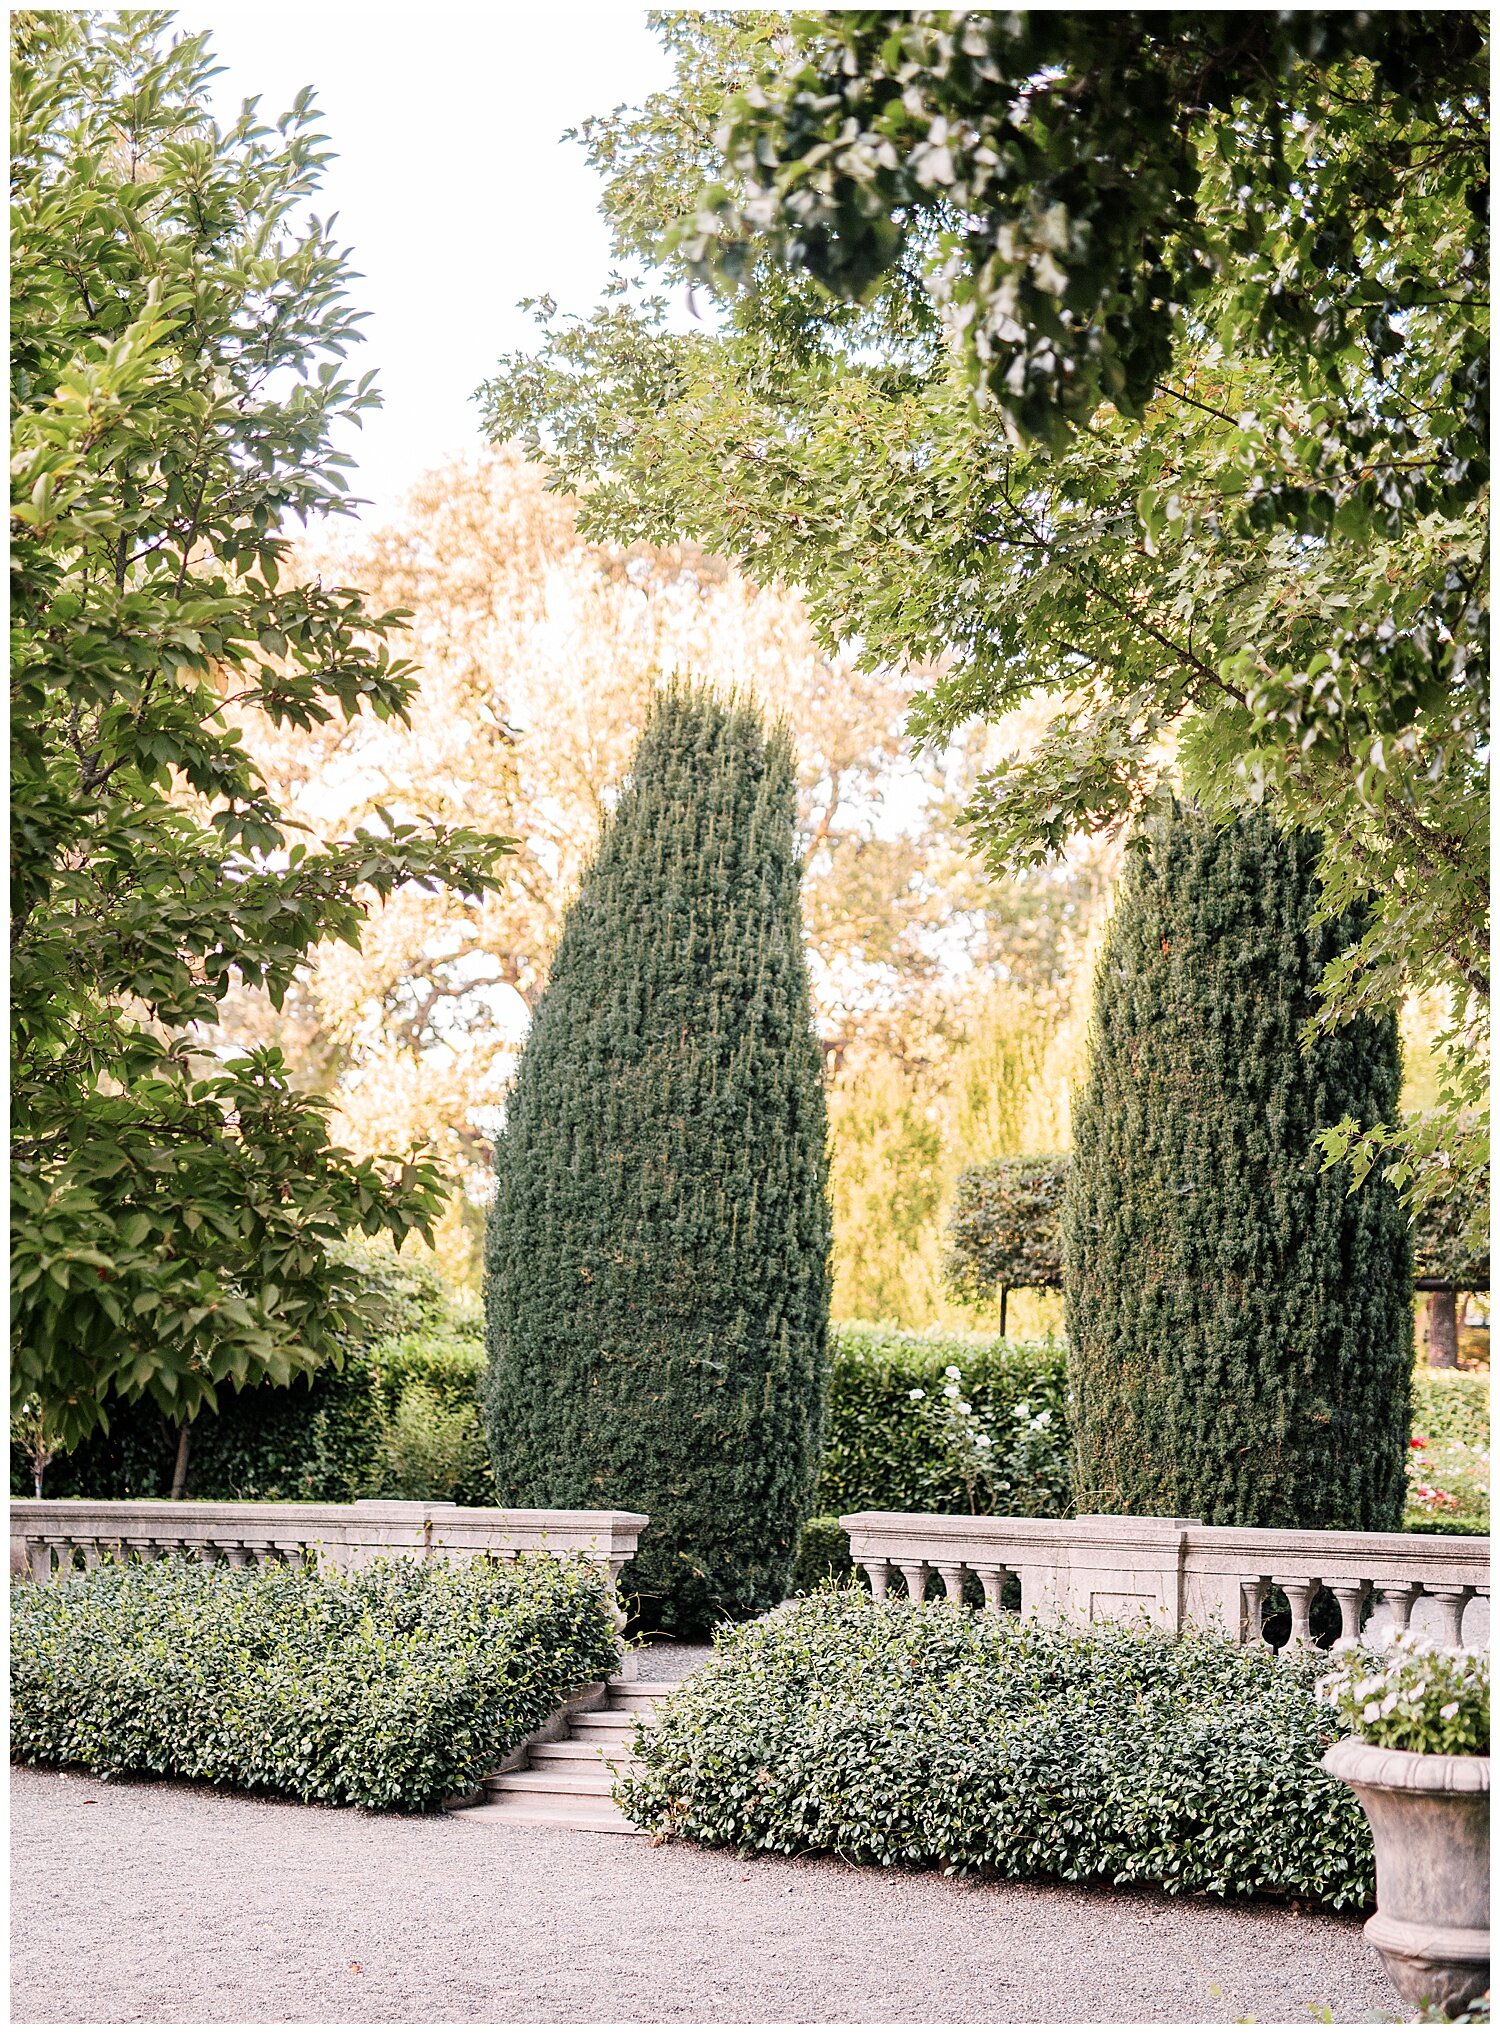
<point>178,327</point>
<point>1135,363</point>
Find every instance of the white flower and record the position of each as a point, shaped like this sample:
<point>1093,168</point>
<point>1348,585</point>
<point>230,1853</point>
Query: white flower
<point>915,1393</point>
<point>964,1406</point>
<point>1022,1411</point>
<point>950,1391</point>
<point>1043,1419</point>
<point>1448,1711</point>
<point>1371,1712</point>
<point>953,1371</point>
<point>983,1441</point>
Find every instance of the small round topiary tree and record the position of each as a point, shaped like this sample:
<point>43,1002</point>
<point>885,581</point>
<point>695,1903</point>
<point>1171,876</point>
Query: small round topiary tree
<point>1239,1323</point>
<point>1005,1229</point>
<point>657,1267</point>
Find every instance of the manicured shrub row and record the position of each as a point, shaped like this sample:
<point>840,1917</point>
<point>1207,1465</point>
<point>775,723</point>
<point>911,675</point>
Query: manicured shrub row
<point>392,1687</point>
<point>901,1734</point>
<point>312,1442</point>
<point>894,1441</point>
<point>401,1419</point>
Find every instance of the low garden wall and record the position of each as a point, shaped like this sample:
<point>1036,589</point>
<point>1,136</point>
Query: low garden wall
<point>1177,1572</point>
<point>50,1537</point>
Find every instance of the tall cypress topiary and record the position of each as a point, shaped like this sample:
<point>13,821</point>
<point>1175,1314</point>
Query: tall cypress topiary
<point>657,1267</point>
<point>1239,1324</point>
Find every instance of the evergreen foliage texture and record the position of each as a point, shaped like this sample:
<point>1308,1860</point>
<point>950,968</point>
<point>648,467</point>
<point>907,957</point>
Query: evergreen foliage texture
<point>1239,1322</point>
<point>657,1274</point>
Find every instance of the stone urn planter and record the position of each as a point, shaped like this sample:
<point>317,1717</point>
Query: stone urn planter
<point>1430,1816</point>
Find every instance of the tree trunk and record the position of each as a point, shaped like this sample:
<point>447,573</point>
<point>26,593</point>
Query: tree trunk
<point>1440,1331</point>
<point>38,1471</point>
<point>1004,1300</point>
<point>180,1467</point>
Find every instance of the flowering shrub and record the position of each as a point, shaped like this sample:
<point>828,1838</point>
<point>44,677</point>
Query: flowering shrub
<point>1004,1465</point>
<point>1447,1486</point>
<point>392,1687</point>
<point>1416,1697</point>
<point>897,1733</point>
<point>945,1423</point>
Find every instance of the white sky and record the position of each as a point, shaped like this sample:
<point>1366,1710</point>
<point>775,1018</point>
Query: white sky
<point>453,185</point>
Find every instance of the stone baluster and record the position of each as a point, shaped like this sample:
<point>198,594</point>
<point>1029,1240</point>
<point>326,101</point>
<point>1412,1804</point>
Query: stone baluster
<point>1299,1594</point>
<point>952,1573</point>
<point>1450,1609</point>
<point>1398,1598</point>
<point>235,1554</point>
<point>877,1573</point>
<point>613,1570</point>
<point>1350,1598</point>
<point>916,1573</point>
<point>1254,1590</point>
<point>993,1582</point>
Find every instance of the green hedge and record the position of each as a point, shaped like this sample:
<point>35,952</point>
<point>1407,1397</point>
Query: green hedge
<point>401,1419</point>
<point>1451,1405</point>
<point>393,1687</point>
<point>886,1450</point>
<point>901,1734</point>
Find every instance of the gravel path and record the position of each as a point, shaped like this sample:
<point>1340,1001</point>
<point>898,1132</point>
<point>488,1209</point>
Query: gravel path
<point>144,1901</point>
<point>669,1660</point>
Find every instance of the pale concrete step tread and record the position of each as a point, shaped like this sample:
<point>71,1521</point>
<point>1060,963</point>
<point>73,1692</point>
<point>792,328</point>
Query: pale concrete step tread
<point>570,1751</point>
<point>553,1781</point>
<point>619,1721</point>
<point>603,1817</point>
<point>652,1688</point>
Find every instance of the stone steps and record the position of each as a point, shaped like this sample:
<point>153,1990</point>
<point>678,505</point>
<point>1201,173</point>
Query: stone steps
<point>567,1784</point>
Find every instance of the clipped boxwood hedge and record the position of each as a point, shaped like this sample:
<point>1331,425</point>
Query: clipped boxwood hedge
<point>903,1734</point>
<point>391,1687</point>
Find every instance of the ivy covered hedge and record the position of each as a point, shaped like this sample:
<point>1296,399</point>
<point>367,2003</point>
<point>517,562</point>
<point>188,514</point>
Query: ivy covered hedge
<point>901,1734</point>
<point>390,1688</point>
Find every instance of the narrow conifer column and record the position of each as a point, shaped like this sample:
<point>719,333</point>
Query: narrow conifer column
<point>657,1267</point>
<point>1239,1324</point>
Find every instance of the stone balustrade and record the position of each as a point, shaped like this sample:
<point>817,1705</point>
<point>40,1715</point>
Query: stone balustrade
<point>1176,1572</point>
<point>50,1537</point>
